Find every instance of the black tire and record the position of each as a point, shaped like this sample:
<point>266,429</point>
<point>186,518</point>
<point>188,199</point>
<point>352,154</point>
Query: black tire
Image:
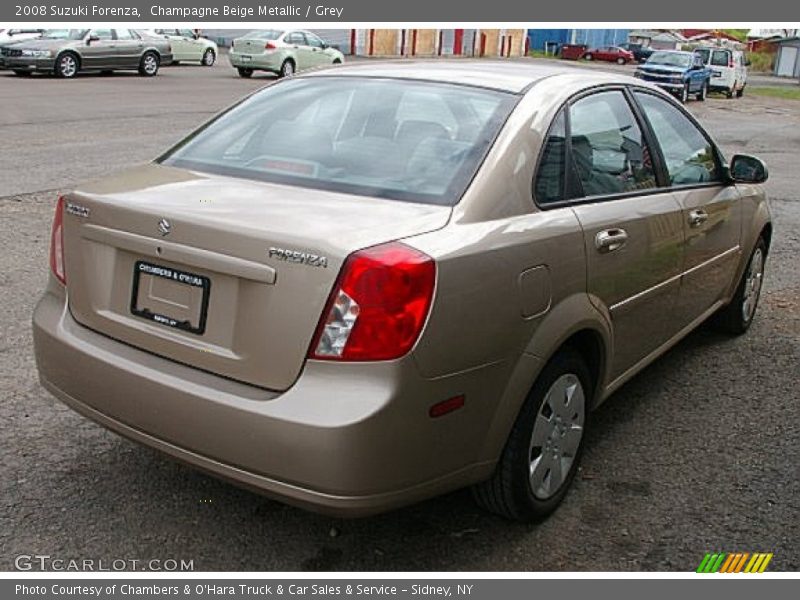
<point>287,68</point>
<point>149,64</point>
<point>731,318</point>
<point>588,56</point>
<point>22,73</point>
<point>209,58</point>
<point>730,93</point>
<point>740,91</point>
<point>703,93</point>
<point>67,65</point>
<point>508,492</point>
<point>245,72</point>
<point>621,61</point>
<point>337,61</point>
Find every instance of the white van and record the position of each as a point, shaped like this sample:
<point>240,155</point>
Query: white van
<point>728,69</point>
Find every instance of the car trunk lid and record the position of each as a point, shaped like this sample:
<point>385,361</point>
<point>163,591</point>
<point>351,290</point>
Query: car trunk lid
<point>227,275</point>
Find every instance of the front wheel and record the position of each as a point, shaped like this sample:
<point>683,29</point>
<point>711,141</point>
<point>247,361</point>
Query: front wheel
<point>544,447</point>
<point>209,57</point>
<point>148,65</point>
<point>703,93</point>
<point>67,66</point>
<point>737,316</point>
<point>245,72</point>
<point>685,93</point>
<point>621,61</point>
<point>588,56</point>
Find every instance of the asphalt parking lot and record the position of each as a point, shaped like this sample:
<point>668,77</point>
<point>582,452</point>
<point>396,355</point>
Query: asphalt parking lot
<point>699,453</point>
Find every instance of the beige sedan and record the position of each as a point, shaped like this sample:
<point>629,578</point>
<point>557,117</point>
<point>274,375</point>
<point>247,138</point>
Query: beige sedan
<point>362,287</point>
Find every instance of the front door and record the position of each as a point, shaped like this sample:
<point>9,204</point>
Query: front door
<point>100,53</point>
<point>710,207</point>
<point>633,234</point>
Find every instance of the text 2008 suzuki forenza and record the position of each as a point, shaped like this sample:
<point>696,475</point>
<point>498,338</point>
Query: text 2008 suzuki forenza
<point>366,286</point>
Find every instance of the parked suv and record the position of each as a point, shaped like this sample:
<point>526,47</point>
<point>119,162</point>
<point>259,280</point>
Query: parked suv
<point>681,73</point>
<point>728,70</point>
<point>640,53</point>
<point>401,279</point>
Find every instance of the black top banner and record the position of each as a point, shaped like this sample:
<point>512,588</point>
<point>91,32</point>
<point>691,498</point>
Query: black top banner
<point>371,11</point>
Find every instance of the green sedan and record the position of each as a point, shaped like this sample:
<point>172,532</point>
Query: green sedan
<point>282,52</point>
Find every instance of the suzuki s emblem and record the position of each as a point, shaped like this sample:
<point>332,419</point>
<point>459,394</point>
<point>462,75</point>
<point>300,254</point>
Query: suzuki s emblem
<point>164,227</point>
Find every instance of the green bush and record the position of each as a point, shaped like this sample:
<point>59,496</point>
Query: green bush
<point>763,62</point>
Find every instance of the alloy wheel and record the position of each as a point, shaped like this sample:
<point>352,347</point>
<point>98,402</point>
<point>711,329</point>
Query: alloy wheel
<point>150,64</point>
<point>752,285</point>
<point>556,437</point>
<point>67,66</point>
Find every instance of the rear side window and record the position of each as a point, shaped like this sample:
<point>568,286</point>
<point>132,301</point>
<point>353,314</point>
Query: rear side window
<point>609,153</point>
<point>295,38</point>
<point>690,157</point>
<point>548,186</point>
<point>355,135</point>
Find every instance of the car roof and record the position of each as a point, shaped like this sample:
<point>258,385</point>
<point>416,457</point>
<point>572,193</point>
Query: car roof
<point>514,76</point>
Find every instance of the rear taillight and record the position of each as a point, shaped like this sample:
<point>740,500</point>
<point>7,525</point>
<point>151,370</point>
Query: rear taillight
<point>57,243</point>
<point>270,46</point>
<point>378,306</point>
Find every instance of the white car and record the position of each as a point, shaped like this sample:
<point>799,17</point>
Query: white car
<point>728,69</point>
<point>189,46</point>
<point>15,35</point>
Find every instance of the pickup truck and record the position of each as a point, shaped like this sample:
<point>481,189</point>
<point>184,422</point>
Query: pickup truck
<point>681,73</point>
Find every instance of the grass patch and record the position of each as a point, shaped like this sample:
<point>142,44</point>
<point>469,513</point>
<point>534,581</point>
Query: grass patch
<point>787,92</point>
<point>540,54</point>
<point>762,62</point>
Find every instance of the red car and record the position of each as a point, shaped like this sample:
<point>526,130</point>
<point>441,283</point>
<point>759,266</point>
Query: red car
<point>610,54</point>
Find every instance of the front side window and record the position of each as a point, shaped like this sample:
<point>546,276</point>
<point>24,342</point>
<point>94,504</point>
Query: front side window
<point>314,41</point>
<point>720,58</point>
<point>355,135</point>
<point>689,156</point>
<point>102,34</point>
<point>609,153</point>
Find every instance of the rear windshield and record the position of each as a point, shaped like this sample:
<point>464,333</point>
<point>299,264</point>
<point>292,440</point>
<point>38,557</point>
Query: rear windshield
<point>264,34</point>
<point>391,138</point>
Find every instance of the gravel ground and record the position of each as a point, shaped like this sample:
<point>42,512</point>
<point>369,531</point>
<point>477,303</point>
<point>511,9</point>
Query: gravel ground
<point>698,453</point>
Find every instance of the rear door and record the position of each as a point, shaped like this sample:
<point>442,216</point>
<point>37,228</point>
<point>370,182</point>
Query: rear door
<point>129,48</point>
<point>710,207</point>
<point>632,230</point>
<point>296,40</point>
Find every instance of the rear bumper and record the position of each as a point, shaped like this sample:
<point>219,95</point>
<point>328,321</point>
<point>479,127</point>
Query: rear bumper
<point>349,440</point>
<point>265,61</point>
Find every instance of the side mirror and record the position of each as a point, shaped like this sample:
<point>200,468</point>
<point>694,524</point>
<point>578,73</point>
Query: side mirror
<point>92,38</point>
<point>748,169</point>
<point>196,36</point>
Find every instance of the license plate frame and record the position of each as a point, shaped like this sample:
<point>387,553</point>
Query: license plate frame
<point>246,58</point>
<point>179,277</point>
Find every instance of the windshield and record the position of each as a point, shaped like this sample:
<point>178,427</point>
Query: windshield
<point>671,59</point>
<point>415,141</point>
<point>64,34</point>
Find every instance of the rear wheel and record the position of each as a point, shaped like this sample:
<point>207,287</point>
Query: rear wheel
<point>542,453</point>
<point>588,56</point>
<point>730,93</point>
<point>148,65</point>
<point>244,72</point>
<point>287,68</point>
<point>67,65</point>
<point>740,91</point>
<point>209,57</point>
<point>737,316</point>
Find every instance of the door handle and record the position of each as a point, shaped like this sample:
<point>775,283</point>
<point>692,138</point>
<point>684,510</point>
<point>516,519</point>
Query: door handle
<point>609,240</point>
<point>697,217</point>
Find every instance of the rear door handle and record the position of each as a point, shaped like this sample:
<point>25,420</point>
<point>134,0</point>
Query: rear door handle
<point>697,217</point>
<point>609,240</point>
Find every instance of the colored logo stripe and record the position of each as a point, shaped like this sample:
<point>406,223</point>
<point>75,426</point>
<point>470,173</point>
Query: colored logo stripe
<point>734,562</point>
